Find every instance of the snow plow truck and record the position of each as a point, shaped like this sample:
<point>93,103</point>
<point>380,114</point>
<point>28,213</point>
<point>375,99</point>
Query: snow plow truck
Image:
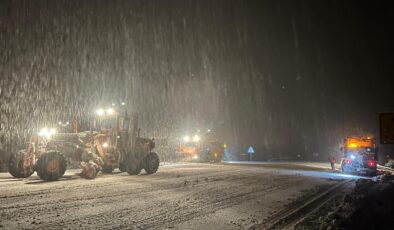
<point>359,156</point>
<point>113,141</point>
<point>201,149</point>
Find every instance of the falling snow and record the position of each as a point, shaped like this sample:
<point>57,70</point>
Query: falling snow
<point>290,77</point>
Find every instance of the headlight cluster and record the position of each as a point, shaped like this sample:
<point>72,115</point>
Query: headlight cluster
<point>45,132</point>
<point>108,112</point>
<point>186,138</point>
<point>195,138</point>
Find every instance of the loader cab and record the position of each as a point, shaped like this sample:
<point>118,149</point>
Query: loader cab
<point>104,124</point>
<point>105,120</point>
<point>110,119</point>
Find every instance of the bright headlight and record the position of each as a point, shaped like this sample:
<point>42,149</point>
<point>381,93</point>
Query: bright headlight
<point>195,157</point>
<point>186,138</point>
<point>45,132</point>
<point>105,145</point>
<point>100,112</point>
<point>196,138</point>
<point>110,111</point>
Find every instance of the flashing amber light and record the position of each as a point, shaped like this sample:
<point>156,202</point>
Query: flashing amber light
<point>352,145</point>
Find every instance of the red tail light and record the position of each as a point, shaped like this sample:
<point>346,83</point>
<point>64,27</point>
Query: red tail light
<point>371,163</point>
<point>347,161</point>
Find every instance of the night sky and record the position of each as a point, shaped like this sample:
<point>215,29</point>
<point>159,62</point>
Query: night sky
<point>287,77</point>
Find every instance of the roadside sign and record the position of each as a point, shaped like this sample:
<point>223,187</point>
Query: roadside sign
<point>386,121</point>
<point>251,150</point>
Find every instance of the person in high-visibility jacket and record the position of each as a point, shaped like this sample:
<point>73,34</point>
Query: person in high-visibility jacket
<point>332,162</point>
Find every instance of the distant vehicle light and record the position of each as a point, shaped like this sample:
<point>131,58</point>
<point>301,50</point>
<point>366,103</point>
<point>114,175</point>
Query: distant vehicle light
<point>186,138</point>
<point>353,157</point>
<point>105,145</point>
<point>100,112</point>
<point>195,157</point>
<point>196,138</point>
<point>45,132</point>
<point>64,124</point>
<point>110,111</point>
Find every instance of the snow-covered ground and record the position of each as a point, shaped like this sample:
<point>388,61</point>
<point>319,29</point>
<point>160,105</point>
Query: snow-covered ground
<point>181,196</point>
<point>369,205</point>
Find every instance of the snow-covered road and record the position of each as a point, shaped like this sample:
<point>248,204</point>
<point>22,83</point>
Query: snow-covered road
<point>180,196</point>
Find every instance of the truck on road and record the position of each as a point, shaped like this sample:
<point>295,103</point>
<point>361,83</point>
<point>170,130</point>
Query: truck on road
<point>359,156</point>
<point>201,149</point>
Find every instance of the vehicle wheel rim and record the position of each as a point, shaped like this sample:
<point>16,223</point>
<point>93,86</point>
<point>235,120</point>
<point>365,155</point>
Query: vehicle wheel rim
<point>52,166</point>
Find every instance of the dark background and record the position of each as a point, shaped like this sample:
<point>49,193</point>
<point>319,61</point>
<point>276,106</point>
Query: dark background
<point>287,77</point>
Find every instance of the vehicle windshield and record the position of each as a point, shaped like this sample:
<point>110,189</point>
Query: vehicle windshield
<point>101,124</point>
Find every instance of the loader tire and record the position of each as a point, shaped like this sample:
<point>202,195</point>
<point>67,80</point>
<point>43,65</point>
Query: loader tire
<point>122,167</point>
<point>51,165</point>
<point>15,166</point>
<point>151,163</point>
<point>133,166</point>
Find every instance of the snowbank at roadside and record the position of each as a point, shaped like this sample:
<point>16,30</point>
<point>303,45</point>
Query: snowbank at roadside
<point>369,206</point>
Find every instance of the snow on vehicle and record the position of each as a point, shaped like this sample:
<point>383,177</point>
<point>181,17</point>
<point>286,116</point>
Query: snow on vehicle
<point>119,144</point>
<point>47,153</point>
<point>113,141</point>
<point>359,156</point>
